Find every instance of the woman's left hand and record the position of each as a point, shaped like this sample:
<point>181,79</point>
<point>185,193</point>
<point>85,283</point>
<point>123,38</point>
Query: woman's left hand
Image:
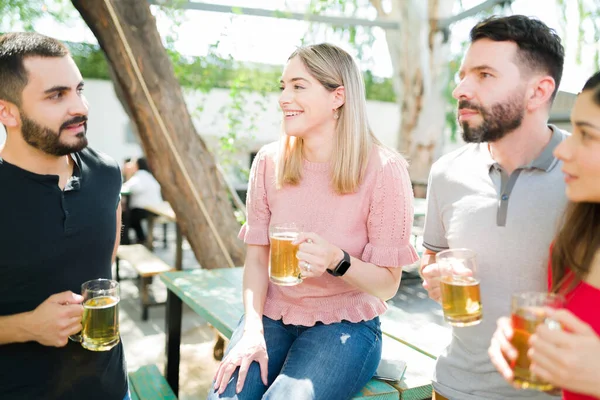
<point>568,358</point>
<point>316,255</point>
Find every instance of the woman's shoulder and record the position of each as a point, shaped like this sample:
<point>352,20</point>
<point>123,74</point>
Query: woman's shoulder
<point>268,152</point>
<point>384,158</point>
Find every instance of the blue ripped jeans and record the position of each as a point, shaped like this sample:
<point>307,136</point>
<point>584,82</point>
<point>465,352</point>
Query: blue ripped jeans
<point>321,362</point>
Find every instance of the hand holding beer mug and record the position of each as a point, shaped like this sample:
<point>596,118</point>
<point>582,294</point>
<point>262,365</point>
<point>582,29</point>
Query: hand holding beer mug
<point>100,315</point>
<point>284,268</point>
<point>528,311</point>
<point>461,299</point>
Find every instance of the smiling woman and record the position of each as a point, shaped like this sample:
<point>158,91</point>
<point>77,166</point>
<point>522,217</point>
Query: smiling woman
<point>351,200</point>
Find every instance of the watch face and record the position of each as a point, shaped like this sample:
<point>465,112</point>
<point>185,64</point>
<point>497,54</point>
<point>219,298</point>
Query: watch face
<point>342,266</point>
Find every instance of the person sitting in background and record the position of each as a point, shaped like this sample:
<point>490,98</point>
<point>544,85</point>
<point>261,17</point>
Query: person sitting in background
<point>143,191</point>
<point>570,359</point>
<point>125,169</point>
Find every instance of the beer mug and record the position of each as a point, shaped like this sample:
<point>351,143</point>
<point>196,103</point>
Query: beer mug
<point>284,268</point>
<point>461,298</point>
<point>100,322</point>
<point>528,310</point>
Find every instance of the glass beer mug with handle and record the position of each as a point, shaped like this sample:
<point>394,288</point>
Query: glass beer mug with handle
<point>528,310</point>
<point>284,268</point>
<point>461,296</point>
<point>100,322</point>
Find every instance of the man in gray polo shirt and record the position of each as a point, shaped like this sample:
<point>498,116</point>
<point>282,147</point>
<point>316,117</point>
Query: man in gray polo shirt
<point>501,194</point>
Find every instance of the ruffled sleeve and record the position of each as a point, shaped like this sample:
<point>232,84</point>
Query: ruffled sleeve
<point>391,217</point>
<point>256,229</point>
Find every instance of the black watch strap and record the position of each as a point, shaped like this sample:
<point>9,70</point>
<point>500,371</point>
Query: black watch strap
<point>342,266</point>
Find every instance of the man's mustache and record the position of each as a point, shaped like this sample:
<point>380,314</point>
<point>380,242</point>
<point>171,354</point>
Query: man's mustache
<point>74,121</point>
<point>468,105</point>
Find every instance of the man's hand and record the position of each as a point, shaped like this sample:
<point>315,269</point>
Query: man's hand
<point>431,281</point>
<point>57,318</point>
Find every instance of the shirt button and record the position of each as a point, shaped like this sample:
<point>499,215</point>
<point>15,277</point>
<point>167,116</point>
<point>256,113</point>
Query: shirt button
<point>504,197</point>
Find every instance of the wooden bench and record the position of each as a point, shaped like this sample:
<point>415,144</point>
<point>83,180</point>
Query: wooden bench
<point>147,383</point>
<point>216,295</point>
<point>147,265</point>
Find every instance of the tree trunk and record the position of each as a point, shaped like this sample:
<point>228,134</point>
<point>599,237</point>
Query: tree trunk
<point>179,158</point>
<point>419,58</point>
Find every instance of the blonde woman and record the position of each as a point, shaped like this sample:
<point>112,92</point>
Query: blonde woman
<point>320,339</point>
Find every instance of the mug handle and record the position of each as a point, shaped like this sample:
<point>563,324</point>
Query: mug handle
<point>76,337</point>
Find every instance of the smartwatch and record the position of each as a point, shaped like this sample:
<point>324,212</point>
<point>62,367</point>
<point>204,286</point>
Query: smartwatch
<point>342,266</point>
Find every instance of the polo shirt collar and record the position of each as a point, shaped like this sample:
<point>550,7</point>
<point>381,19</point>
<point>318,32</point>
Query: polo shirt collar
<point>545,161</point>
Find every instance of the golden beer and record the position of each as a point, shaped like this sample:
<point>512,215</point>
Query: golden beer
<point>459,285</point>
<point>100,323</point>
<point>461,300</point>
<point>529,311</point>
<point>284,267</point>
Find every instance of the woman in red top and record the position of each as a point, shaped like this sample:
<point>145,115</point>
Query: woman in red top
<point>570,359</point>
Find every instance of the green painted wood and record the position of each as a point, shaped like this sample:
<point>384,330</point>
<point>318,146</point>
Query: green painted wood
<point>419,393</point>
<point>148,384</point>
<point>210,296</point>
<point>376,390</point>
<point>132,392</point>
<point>419,368</point>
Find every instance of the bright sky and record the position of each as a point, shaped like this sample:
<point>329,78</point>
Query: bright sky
<point>272,40</point>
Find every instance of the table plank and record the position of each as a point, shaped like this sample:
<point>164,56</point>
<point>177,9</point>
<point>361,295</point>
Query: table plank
<point>163,209</point>
<point>199,293</point>
<point>416,331</point>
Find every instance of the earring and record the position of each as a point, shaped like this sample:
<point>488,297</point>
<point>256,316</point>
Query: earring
<point>336,115</point>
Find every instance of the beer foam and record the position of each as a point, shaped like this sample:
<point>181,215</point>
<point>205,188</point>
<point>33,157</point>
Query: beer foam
<point>287,236</point>
<point>113,302</point>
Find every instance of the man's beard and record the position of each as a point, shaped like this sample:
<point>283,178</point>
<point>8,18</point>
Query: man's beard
<point>498,121</point>
<point>48,140</point>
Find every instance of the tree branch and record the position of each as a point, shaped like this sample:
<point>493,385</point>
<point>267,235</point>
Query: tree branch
<point>379,7</point>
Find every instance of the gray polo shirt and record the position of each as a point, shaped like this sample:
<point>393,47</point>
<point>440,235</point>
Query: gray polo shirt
<point>510,222</point>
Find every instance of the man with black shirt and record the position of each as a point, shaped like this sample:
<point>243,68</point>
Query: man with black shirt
<point>59,218</point>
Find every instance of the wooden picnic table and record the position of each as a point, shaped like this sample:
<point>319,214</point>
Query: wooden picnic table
<point>216,295</point>
<point>165,211</point>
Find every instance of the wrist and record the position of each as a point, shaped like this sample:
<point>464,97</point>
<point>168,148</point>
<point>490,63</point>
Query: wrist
<point>339,256</point>
<point>342,265</point>
<point>24,326</point>
<point>253,325</point>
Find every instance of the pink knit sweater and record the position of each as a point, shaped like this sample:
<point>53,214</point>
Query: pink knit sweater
<point>372,224</point>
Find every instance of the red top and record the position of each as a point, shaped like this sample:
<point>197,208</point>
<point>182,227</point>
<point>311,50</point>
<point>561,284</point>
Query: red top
<point>581,301</point>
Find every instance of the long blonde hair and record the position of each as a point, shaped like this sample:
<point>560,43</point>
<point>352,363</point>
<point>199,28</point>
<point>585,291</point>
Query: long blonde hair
<point>333,67</point>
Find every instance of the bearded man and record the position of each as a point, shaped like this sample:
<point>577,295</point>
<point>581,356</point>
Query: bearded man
<point>60,214</point>
<point>501,194</point>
